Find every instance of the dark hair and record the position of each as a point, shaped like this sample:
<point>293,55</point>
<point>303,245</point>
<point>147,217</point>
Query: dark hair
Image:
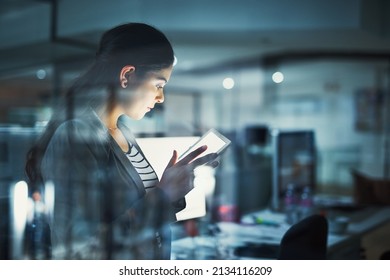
<point>136,44</point>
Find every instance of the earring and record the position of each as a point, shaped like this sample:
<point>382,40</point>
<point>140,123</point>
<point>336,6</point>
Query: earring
<point>124,83</point>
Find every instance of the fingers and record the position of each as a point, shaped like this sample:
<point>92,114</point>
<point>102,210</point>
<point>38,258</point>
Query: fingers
<point>207,159</point>
<point>173,159</point>
<point>191,156</point>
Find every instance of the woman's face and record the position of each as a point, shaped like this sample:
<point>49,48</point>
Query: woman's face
<point>145,95</point>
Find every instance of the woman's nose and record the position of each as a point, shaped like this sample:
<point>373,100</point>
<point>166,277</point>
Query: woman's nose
<point>160,97</point>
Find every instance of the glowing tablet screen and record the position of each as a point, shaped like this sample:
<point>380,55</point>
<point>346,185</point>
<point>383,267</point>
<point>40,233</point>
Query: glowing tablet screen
<point>215,141</point>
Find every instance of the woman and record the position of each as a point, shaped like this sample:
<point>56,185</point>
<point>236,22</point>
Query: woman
<point>109,202</point>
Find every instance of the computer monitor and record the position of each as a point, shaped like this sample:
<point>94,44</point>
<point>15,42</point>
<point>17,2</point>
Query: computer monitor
<point>294,162</point>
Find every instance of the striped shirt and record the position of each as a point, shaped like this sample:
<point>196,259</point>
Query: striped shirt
<point>145,171</point>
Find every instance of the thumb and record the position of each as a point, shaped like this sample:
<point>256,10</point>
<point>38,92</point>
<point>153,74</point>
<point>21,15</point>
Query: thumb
<point>173,159</point>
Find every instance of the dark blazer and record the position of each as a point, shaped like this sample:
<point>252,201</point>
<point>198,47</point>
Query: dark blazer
<point>102,210</point>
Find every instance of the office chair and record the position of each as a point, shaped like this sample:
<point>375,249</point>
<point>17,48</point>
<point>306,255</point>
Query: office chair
<point>305,240</point>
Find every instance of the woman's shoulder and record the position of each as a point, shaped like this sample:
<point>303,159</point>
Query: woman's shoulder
<point>79,130</point>
<point>79,138</point>
<point>71,127</point>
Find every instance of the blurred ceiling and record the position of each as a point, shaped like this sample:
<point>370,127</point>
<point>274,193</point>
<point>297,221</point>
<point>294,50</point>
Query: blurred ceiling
<point>207,35</point>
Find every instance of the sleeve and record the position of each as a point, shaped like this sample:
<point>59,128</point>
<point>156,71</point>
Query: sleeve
<point>72,169</point>
<point>149,227</point>
<point>98,212</point>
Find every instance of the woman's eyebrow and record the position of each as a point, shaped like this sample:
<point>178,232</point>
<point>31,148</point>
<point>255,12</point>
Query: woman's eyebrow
<point>162,78</point>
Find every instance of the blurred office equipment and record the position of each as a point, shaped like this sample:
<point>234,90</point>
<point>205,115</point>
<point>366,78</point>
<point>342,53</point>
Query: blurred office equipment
<point>254,168</point>
<point>370,190</point>
<point>225,205</point>
<point>305,240</point>
<point>257,251</point>
<point>37,235</point>
<point>266,235</point>
<point>294,163</point>
<point>15,141</point>
<point>4,226</point>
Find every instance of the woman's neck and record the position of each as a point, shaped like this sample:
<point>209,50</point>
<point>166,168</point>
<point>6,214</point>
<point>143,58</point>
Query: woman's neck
<point>110,117</point>
<point>110,120</point>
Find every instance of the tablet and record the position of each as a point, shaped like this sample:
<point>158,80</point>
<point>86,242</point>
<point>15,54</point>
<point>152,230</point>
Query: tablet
<point>215,141</point>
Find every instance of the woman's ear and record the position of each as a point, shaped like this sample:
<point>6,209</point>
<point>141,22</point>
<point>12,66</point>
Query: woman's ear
<point>125,75</point>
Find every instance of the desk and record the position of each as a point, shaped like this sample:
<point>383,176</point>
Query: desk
<point>233,235</point>
<point>348,245</point>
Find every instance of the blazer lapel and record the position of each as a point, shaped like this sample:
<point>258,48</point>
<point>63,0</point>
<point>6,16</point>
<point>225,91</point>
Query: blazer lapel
<point>129,135</point>
<point>130,170</point>
<point>120,155</point>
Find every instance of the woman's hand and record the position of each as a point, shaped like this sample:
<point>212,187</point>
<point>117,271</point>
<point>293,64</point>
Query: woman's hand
<point>177,178</point>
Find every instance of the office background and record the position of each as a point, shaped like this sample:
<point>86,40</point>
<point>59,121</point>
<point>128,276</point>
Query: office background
<point>321,66</point>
